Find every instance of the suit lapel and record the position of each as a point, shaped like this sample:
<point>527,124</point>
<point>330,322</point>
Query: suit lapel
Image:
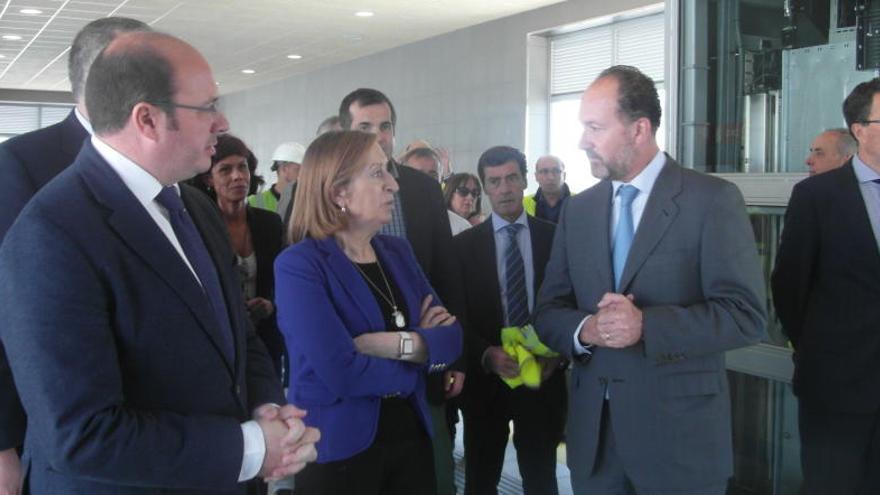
<point>127,217</point>
<point>352,282</point>
<point>660,211</point>
<point>595,218</point>
<point>539,253</point>
<point>852,201</point>
<point>486,258</point>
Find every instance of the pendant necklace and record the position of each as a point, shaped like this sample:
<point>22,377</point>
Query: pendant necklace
<point>396,314</point>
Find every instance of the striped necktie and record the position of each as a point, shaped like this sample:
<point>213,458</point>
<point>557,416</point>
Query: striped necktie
<point>515,293</point>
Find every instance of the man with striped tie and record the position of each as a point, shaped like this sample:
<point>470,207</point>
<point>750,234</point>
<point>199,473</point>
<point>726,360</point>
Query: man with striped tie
<point>502,263</point>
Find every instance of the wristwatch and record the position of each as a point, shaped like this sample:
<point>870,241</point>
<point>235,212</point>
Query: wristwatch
<point>406,345</point>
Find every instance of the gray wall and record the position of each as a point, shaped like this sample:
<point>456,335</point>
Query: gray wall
<point>465,90</point>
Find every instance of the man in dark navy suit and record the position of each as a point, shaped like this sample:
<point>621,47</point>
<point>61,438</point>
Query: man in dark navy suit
<point>826,285</point>
<point>123,318</point>
<point>28,162</point>
<point>502,262</point>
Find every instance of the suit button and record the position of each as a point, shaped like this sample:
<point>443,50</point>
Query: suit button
<point>238,390</point>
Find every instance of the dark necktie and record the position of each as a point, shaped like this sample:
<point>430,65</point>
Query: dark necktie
<point>517,297</point>
<point>623,236</point>
<point>198,256</point>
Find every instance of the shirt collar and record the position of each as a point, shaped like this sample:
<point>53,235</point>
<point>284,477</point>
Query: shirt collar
<point>644,182</point>
<point>144,186</point>
<point>83,121</point>
<point>864,173</point>
<point>499,223</point>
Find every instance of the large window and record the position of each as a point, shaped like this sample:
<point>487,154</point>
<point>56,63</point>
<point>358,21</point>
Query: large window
<point>576,59</point>
<point>19,118</point>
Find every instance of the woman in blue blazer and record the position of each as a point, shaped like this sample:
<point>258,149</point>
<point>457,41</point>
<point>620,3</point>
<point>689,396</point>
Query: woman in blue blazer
<point>361,325</point>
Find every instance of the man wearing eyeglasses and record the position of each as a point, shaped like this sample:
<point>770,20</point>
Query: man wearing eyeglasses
<point>826,289</point>
<point>502,262</point>
<point>123,316</point>
<point>28,162</point>
<point>420,217</point>
<point>547,202</point>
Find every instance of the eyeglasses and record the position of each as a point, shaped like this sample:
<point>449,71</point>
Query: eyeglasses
<point>209,108</point>
<point>869,122</point>
<point>464,192</point>
<point>548,171</point>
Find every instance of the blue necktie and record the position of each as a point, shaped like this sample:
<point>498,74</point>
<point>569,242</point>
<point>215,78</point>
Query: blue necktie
<point>516,295</point>
<point>623,235</point>
<point>197,254</point>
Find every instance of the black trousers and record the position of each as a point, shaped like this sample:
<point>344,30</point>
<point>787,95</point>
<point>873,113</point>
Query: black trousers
<point>538,422</point>
<point>400,461</point>
<point>840,452</point>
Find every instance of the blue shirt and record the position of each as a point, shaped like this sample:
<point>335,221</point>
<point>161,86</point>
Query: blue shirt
<point>524,241</point>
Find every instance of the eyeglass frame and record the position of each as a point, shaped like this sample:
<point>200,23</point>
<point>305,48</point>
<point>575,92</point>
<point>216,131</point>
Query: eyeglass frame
<point>475,192</point>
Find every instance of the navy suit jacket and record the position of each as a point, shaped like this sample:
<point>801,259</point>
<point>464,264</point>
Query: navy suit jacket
<point>323,304</point>
<point>826,286</point>
<point>28,162</point>
<point>113,348</point>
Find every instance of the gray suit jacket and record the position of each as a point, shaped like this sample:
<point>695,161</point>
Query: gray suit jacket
<point>693,269</point>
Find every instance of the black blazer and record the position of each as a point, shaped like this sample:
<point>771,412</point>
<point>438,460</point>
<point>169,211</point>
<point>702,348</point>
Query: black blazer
<point>826,289</point>
<point>267,237</point>
<point>28,162</point>
<point>475,251</point>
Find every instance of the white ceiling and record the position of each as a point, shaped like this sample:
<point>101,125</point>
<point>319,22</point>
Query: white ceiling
<point>238,34</point>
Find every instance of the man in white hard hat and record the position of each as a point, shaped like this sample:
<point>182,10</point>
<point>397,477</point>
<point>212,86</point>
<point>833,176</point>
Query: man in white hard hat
<point>286,162</point>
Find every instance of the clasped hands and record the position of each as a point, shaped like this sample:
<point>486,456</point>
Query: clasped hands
<point>617,323</point>
<point>290,444</point>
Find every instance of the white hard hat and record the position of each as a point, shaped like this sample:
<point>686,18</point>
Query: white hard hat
<point>289,152</point>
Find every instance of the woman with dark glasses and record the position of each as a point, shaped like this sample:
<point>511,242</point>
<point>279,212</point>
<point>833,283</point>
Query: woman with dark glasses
<point>462,196</point>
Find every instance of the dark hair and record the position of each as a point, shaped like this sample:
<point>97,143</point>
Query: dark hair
<point>420,153</point>
<point>228,145</point>
<point>89,42</point>
<point>330,163</point>
<point>499,155</point>
<point>636,94</point>
<point>328,125</point>
<point>123,78</point>
<point>363,97</point>
<point>857,105</point>
<point>457,180</point>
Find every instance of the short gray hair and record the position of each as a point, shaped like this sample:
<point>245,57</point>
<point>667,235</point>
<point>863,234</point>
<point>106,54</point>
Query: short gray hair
<point>89,42</point>
<point>846,143</point>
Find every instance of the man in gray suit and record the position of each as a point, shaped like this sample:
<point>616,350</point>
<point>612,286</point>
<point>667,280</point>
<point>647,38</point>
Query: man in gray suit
<point>654,274</point>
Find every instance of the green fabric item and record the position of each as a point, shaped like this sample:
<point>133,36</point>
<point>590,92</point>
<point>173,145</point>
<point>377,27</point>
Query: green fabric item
<point>265,200</point>
<point>522,344</point>
<point>530,204</point>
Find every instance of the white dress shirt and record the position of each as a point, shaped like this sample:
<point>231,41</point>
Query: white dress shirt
<point>145,188</point>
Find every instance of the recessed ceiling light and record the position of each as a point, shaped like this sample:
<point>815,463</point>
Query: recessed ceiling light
<point>11,37</point>
<point>248,71</point>
<point>294,57</point>
<point>31,11</point>
<point>364,13</point>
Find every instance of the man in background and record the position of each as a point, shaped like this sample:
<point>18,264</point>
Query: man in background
<point>419,216</point>
<point>286,162</point>
<point>830,150</point>
<point>552,192</point>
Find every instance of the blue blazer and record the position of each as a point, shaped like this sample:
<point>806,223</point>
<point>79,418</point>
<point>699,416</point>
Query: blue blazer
<point>323,303</point>
<point>28,162</point>
<point>115,350</point>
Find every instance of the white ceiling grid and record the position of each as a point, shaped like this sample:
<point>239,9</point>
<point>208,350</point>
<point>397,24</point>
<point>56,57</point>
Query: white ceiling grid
<point>238,34</point>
